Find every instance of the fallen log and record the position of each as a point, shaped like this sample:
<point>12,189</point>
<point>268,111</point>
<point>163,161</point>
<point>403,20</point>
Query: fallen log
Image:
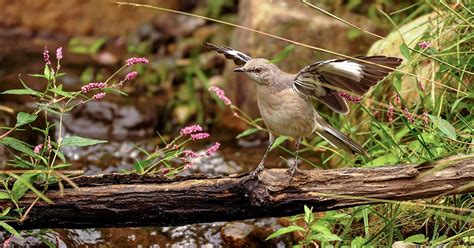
<point>119,200</point>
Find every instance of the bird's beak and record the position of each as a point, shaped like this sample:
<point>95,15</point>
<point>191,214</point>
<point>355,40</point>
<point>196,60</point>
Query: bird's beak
<point>239,69</point>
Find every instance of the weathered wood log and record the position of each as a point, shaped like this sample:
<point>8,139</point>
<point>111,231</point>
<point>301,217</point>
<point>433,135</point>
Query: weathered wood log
<point>134,200</point>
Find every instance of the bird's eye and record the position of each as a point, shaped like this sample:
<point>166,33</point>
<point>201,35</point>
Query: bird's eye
<point>258,69</point>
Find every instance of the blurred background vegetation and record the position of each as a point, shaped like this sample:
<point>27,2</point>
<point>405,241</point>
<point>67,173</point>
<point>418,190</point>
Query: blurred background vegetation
<point>432,114</point>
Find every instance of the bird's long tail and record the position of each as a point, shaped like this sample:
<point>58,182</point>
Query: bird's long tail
<point>340,140</point>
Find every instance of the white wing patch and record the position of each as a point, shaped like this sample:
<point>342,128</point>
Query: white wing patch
<point>238,54</point>
<point>344,68</point>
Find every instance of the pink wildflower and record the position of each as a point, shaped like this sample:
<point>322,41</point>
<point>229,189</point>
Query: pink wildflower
<point>408,115</point>
<point>59,53</point>
<point>198,136</point>
<point>188,166</point>
<point>131,75</point>
<point>190,129</point>
<point>191,154</point>
<point>350,98</point>
<point>421,86</point>
<point>92,86</point>
<point>390,113</point>
<point>397,100</point>
<point>424,44</point>
<point>164,170</point>
<point>213,148</point>
<point>133,61</point>
<point>221,94</point>
<point>98,96</point>
<point>38,148</point>
<point>46,56</point>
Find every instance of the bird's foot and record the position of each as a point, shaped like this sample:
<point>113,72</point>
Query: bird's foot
<point>293,170</point>
<point>257,170</point>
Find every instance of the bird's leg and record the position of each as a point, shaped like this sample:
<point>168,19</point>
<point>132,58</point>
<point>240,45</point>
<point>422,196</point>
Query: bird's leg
<point>294,165</point>
<point>260,166</point>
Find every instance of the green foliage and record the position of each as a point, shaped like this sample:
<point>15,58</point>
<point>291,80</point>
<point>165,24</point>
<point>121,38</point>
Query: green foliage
<point>80,141</point>
<point>42,162</point>
<point>417,238</point>
<point>23,118</point>
<point>313,229</point>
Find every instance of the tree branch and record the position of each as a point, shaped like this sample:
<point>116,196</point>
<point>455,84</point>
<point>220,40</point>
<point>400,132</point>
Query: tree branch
<point>151,200</point>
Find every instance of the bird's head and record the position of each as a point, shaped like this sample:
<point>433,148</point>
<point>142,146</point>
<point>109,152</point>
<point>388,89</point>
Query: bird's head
<point>260,70</point>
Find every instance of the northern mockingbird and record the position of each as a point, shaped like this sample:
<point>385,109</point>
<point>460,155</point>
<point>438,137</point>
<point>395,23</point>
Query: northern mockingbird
<point>286,101</point>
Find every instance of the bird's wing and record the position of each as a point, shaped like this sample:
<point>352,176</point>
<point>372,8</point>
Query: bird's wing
<point>350,75</point>
<point>239,58</point>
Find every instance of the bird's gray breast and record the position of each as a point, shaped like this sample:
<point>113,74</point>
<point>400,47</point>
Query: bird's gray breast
<point>285,112</point>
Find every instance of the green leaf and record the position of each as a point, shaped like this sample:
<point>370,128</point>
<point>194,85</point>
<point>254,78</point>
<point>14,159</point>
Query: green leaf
<point>27,91</point>
<point>37,75</point>
<point>20,186</point>
<point>60,155</point>
<point>247,132</point>
<point>47,72</point>
<point>24,180</point>
<point>386,159</point>
<point>308,215</point>
<point>23,118</point>
<point>320,229</point>
<point>10,229</point>
<point>444,126</point>
<point>278,141</point>
<point>327,237</point>
<point>5,212</point>
<point>358,242</point>
<point>80,141</point>
<point>113,90</point>
<point>283,54</point>
<point>4,196</point>
<point>140,165</point>
<point>22,163</point>
<point>59,91</point>
<point>61,166</point>
<point>405,50</point>
<point>285,230</point>
<point>337,216</point>
<point>417,238</point>
<point>19,146</point>
<point>439,239</point>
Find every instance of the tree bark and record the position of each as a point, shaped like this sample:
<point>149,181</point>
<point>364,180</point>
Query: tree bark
<point>117,200</point>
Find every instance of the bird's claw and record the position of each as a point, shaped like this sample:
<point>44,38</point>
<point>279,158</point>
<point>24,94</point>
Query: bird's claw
<point>292,170</point>
<point>257,170</point>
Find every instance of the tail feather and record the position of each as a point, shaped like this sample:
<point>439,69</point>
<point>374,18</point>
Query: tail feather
<point>340,140</point>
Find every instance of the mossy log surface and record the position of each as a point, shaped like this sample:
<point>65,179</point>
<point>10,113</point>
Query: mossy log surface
<point>118,200</point>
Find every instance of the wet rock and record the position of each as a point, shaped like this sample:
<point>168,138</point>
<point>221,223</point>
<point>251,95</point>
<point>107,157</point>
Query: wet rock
<point>250,234</point>
<point>292,20</point>
<point>213,165</point>
<point>238,234</point>
<point>110,121</point>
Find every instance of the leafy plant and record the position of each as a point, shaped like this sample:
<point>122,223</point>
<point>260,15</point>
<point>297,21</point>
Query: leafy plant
<point>313,230</point>
<point>41,162</point>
